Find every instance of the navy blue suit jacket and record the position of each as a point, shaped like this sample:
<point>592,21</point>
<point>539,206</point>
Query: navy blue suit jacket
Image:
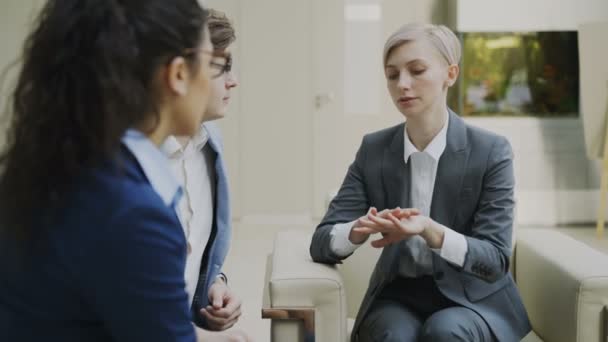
<point>106,266</point>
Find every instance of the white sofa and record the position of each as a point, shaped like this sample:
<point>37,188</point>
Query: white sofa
<point>563,282</point>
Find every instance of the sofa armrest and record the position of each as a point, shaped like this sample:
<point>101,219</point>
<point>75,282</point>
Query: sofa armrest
<point>298,288</point>
<point>564,286</point>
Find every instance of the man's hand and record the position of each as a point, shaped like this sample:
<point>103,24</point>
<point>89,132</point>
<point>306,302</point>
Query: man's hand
<point>225,308</point>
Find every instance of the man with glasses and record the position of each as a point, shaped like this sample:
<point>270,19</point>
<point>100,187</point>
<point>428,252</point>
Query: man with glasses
<point>204,210</point>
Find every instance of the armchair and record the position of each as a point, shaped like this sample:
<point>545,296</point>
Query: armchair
<point>563,283</point>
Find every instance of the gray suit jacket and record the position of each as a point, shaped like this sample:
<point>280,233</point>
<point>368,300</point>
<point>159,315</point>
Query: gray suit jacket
<point>473,195</point>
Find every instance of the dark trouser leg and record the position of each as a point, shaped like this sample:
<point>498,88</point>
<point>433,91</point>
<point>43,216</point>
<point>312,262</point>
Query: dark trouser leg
<point>389,321</point>
<point>455,324</point>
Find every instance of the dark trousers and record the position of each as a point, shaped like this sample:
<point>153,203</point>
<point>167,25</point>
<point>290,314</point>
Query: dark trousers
<point>413,309</point>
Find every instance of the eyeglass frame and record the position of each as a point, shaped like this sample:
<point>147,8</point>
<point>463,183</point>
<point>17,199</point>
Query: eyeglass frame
<point>224,69</point>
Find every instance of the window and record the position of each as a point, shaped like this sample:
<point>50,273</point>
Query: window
<point>518,74</point>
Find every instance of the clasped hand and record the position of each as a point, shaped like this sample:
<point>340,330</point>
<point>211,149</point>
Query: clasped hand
<point>225,308</point>
<point>394,224</point>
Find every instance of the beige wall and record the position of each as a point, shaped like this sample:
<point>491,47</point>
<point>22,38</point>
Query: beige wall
<point>230,123</point>
<point>525,15</point>
<point>15,21</point>
<point>552,171</point>
<point>269,128</point>
<point>14,25</point>
<point>556,182</point>
<point>276,108</point>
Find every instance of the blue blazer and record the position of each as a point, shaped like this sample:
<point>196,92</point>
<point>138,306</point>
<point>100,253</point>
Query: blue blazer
<point>107,266</point>
<point>219,241</point>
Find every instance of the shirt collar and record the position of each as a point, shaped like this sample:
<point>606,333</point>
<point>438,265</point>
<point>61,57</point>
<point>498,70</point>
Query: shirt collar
<point>435,148</point>
<point>201,138</point>
<point>172,148</point>
<point>154,164</point>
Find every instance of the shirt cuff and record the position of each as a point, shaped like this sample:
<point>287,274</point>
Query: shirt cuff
<point>223,277</point>
<point>340,244</point>
<point>454,248</point>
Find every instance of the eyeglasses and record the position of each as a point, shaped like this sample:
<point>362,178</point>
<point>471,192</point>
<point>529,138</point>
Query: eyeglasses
<point>220,69</point>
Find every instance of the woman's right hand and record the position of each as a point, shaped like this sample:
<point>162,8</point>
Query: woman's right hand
<point>358,237</point>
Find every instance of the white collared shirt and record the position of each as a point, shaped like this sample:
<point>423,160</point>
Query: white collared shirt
<point>193,167</point>
<point>154,165</point>
<point>423,173</point>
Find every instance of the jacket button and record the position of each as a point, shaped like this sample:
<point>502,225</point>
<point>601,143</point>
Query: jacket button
<point>439,275</point>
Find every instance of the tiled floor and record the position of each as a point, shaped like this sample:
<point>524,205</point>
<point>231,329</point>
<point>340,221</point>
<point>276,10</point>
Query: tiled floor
<point>252,243</point>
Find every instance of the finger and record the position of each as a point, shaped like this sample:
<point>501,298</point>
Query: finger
<point>381,243</point>
<point>405,213</point>
<point>383,223</point>
<point>227,322</point>
<point>218,313</point>
<point>413,211</point>
<point>232,304</point>
<point>234,317</point>
<point>373,211</point>
<point>213,320</point>
<point>365,230</point>
<point>229,311</point>
<point>364,222</point>
<point>395,221</point>
<point>404,225</point>
<point>385,241</point>
<point>396,211</point>
<point>217,299</point>
<point>385,212</point>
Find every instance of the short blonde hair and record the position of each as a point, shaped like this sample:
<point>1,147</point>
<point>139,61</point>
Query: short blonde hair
<point>441,37</point>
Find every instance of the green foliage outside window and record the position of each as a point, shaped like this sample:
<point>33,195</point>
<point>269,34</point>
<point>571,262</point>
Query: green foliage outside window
<point>518,74</point>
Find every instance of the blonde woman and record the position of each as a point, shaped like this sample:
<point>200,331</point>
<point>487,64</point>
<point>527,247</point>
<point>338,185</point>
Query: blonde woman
<point>444,270</point>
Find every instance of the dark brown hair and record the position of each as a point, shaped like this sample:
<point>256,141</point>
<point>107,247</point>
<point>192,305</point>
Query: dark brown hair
<point>86,77</point>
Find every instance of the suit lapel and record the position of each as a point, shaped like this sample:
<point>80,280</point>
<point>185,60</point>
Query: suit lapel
<point>396,186</point>
<point>450,173</point>
<point>395,173</point>
<point>221,190</point>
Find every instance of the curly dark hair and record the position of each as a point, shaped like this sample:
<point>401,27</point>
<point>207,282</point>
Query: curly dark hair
<point>86,76</point>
